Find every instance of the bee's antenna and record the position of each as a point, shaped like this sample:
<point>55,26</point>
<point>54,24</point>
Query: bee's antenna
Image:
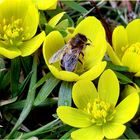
<point>89,40</point>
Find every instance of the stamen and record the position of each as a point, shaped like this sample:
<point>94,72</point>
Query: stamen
<point>100,111</point>
<point>11,30</point>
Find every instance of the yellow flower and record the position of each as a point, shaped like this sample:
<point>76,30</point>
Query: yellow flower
<point>126,46</point>
<point>46,4</point>
<point>97,115</point>
<point>92,65</point>
<point>19,20</point>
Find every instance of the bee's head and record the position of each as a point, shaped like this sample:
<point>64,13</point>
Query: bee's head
<point>82,37</point>
<point>78,40</point>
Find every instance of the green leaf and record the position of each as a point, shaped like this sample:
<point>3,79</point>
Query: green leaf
<point>27,64</point>
<point>122,137</point>
<point>62,25</point>
<point>15,74</point>
<point>5,81</point>
<point>117,67</point>
<point>75,6</point>
<point>46,89</point>
<point>63,32</point>
<point>42,80</point>
<point>48,29</point>
<point>68,134</point>
<point>65,94</point>
<point>46,128</point>
<point>10,118</point>
<point>2,68</point>
<point>137,81</point>
<point>43,20</point>
<point>24,83</point>
<point>130,134</point>
<point>20,104</point>
<point>79,20</point>
<point>123,79</point>
<point>29,100</point>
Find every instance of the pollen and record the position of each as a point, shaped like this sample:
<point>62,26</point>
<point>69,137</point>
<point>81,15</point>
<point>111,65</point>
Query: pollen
<point>100,111</point>
<point>11,30</point>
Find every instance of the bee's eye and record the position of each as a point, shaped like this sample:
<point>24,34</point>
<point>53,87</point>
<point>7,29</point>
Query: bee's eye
<point>83,37</point>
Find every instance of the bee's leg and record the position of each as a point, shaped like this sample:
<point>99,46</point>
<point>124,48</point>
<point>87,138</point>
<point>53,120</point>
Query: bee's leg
<point>82,54</point>
<point>61,65</point>
<point>87,44</point>
<point>80,61</point>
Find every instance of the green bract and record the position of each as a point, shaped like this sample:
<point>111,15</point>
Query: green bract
<point>19,20</point>
<point>92,65</point>
<point>97,115</point>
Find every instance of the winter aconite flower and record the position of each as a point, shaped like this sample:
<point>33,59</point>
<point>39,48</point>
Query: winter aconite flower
<point>46,4</point>
<point>19,20</point>
<point>90,65</point>
<point>97,115</point>
<point>126,46</point>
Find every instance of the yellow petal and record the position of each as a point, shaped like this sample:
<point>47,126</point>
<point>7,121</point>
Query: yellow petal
<point>54,6</point>
<point>9,51</point>
<point>90,26</point>
<point>131,60</point>
<point>30,46</point>
<point>94,72</point>
<point>24,10</point>
<point>137,74</point>
<point>30,21</point>
<point>14,8</point>
<point>133,31</point>
<point>126,110</point>
<point>119,40</point>
<point>114,58</point>
<point>46,4</point>
<point>63,75</point>
<point>73,117</point>
<point>56,19</point>
<point>90,133</point>
<point>53,42</point>
<point>95,53</point>
<point>83,92</point>
<point>113,130</point>
<point>108,87</point>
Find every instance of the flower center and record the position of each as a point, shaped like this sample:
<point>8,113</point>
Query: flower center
<point>134,48</point>
<point>11,31</point>
<point>100,111</point>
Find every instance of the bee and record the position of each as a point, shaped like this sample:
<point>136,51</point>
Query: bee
<point>70,52</point>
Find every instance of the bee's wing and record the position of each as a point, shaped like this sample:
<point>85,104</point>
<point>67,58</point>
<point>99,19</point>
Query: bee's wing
<point>58,55</point>
<point>70,60</point>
